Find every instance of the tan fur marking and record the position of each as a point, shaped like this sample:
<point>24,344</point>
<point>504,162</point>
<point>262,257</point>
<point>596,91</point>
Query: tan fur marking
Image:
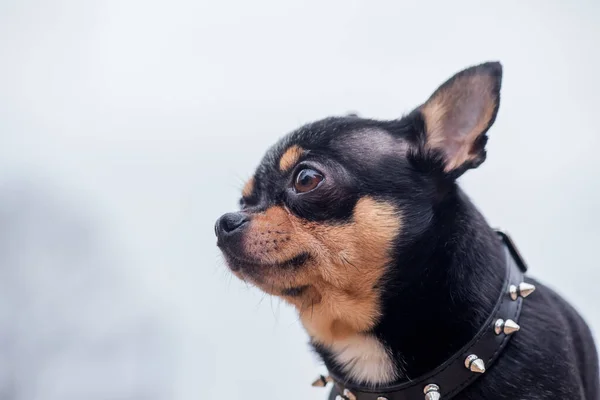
<point>248,188</point>
<point>438,114</point>
<point>290,158</point>
<point>347,261</point>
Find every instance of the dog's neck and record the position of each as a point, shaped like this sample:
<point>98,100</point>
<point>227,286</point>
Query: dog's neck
<point>443,287</point>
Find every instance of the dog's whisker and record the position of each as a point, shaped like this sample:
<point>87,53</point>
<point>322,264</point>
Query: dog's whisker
<point>345,260</point>
<point>261,300</point>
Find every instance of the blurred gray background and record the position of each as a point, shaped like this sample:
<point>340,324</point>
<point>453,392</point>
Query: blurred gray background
<point>128,127</point>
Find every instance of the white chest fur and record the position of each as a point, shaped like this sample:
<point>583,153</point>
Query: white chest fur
<point>364,359</point>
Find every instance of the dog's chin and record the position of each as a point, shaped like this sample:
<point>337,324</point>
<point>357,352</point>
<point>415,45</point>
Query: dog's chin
<point>258,270</point>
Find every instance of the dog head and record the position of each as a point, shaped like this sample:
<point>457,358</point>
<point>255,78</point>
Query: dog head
<point>332,205</point>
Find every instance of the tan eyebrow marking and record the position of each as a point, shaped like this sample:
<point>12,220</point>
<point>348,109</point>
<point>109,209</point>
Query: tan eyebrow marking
<point>290,158</point>
<point>248,188</point>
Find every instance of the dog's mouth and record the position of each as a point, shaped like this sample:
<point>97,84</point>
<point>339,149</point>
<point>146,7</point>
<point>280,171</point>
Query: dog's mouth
<point>253,267</point>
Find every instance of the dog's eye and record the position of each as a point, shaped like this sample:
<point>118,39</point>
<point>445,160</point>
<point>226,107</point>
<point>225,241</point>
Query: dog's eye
<point>307,180</point>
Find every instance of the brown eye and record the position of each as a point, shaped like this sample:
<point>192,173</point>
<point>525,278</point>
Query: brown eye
<point>307,180</point>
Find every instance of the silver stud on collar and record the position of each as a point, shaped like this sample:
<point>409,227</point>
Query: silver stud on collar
<point>382,398</point>
<point>524,289</point>
<point>507,327</point>
<point>349,395</point>
<point>346,395</point>
<point>475,364</point>
<point>432,392</point>
<point>322,381</point>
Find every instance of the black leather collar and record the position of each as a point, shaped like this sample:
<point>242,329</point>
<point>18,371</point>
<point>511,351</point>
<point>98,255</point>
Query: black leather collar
<point>466,365</point>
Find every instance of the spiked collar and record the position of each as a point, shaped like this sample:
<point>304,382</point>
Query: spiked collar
<point>466,365</point>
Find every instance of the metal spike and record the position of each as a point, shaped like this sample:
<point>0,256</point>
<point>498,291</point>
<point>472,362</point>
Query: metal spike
<point>507,327</point>
<point>318,383</point>
<point>349,395</point>
<point>382,398</point>
<point>512,290</point>
<point>475,364</point>
<point>478,366</point>
<point>510,326</point>
<point>321,381</point>
<point>498,326</point>
<point>469,360</point>
<point>433,396</point>
<point>525,289</point>
<point>432,387</point>
<point>432,392</point>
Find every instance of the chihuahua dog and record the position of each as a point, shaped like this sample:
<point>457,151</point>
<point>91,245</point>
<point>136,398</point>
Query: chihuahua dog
<point>361,226</point>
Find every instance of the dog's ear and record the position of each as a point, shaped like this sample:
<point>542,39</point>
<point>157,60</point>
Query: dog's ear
<point>459,113</point>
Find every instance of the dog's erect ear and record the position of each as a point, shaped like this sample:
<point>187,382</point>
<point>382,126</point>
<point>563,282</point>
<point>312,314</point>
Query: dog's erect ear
<point>459,113</point>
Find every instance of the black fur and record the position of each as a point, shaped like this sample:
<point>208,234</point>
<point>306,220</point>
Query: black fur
<point>448,265</point>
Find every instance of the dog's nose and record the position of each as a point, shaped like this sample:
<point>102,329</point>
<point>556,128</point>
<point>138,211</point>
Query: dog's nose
<point>230,223</point>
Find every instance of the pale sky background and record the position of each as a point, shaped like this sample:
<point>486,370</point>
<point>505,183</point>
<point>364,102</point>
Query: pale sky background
<point>128,127</point>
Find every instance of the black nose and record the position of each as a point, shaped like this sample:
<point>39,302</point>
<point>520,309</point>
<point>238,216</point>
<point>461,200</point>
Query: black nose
<point>230,223</point>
